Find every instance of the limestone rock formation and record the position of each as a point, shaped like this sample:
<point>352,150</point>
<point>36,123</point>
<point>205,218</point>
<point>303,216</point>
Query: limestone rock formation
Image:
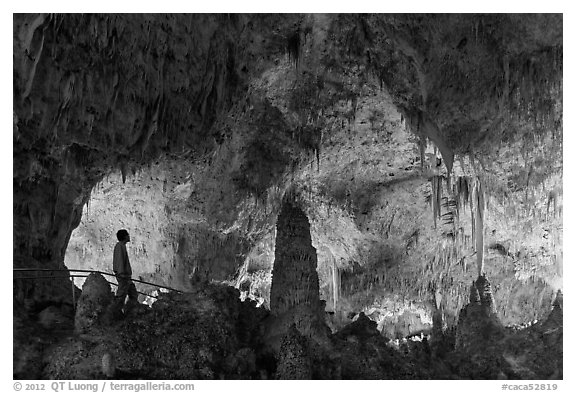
<point>93,303</point>
<point>53,317</point>
<point>294,293</point>
<point>211,334</point>
<point>108,365</point>
<point>294,276</point>
<point>192,129</point>
<point>556,318</point>
<point>206,334</point>
<point>486,350</point>
<point>94,93</point>
<point>362,328</point>
<point>371,118</point>
<point>485,293</point>
<point>552,331</point>
<point>27,356</point>
<point>294,360</point>
<point>478,323</point>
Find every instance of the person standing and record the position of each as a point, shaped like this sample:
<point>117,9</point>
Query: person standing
<point>123,270</point>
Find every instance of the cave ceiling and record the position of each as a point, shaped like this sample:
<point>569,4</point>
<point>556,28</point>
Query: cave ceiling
<point>356,112</point>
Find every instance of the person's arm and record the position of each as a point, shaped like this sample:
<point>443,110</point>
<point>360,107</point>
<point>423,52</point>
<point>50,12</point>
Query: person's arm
<point>127,268</point>
<point>121,264</point>
<point>117,259</point>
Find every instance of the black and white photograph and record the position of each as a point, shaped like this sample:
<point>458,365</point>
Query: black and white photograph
<point>287,196</point>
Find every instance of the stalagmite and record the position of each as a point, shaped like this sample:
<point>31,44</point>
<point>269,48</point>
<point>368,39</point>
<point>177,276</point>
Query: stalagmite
<point>474,295</point>
<point>294,276</point>
<point>485,293</point>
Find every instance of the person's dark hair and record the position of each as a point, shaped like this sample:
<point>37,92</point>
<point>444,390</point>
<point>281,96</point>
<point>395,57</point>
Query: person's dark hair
<point>122,234</point>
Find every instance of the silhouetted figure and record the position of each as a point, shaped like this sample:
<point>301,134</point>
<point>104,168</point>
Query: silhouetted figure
<point>123,271</point>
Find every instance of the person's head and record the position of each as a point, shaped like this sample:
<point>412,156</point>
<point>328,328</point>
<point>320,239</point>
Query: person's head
<point>123,235</point>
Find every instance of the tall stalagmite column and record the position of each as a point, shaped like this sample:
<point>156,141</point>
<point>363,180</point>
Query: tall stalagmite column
<point>294,276</point>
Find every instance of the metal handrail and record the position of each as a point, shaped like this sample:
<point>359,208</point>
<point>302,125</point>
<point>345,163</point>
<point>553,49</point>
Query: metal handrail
<point>82,276</point>
<point>27,269</point>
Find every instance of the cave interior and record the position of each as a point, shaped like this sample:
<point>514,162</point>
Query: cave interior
<point>327,196</point>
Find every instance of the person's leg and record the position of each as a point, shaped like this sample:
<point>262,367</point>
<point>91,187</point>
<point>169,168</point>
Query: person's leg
<point>122,291</point>
<point>119,299</point>
<point>132,298</point>
<point>132,293</point>
<point>123,287</point>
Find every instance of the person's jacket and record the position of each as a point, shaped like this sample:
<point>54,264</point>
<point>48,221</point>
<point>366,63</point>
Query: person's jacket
<point>121,263</point>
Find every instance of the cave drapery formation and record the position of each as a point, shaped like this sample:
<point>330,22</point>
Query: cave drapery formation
<point>334,168</point>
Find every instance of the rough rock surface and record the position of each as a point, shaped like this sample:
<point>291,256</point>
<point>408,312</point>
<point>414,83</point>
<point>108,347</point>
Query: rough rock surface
<point>34,332</point>
<point>486,350</point>
<point>207,334</point>
<point>93,304</point>
<point>294,360</point>
<point>374,120</point>
<point>294,276</point>
<point>211,334</point>
<point>361,354</point>
<point>53,317</point>
<point>97,92</point>
<point>27,356</point>
<point>363,328</point>
<point>478,320</point>
<point>294,293</point>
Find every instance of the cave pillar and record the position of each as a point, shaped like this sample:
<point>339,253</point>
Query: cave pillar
<point>485,294</point>
<point>478,323</point>
<point>294,275</point>
<point>295,291</point>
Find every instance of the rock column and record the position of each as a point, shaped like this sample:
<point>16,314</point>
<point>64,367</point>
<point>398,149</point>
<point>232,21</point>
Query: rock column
<point>478,323</point>
<point>294,276</point>
<point>93,304</point>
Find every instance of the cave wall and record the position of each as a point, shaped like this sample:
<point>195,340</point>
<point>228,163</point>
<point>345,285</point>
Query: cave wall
<point>371,235</point>
<point>45,213</point>
<point>371,220</point>
<point>150,204</point>
<point>115,91</point>
<point>353,110</point>
<point>84,103</point>
<point>99,92</point>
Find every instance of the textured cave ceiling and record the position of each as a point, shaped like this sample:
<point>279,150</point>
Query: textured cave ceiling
<point>189,129</point>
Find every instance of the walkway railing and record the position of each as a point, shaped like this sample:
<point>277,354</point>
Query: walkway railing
<point>83,273</point>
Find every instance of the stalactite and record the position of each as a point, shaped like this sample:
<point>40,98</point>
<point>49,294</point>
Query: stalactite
<point>123,170</point>
<point>88,206</point>
<point>436,197</point>
<point>336,282</point>
<point>480,211</point>
<point>293,47</point>
<point>422,142</point>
